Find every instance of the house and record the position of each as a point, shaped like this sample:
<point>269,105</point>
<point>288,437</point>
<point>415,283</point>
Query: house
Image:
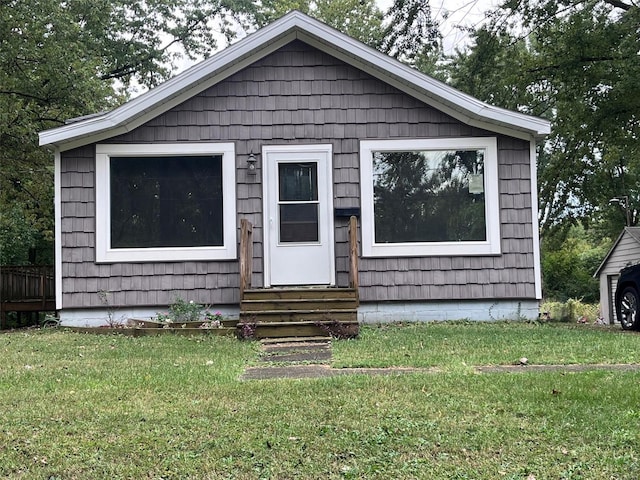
<point>625,251</point>
<point>295,129</point>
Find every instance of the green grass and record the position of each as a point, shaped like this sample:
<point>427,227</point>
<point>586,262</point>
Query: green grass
<point>90,407</point>
<point>454,346</point>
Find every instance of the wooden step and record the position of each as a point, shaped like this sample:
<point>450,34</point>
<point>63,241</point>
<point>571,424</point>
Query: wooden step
<point>332,303</point>
<point>296,340</point>
<point>304,329</point>
<point>269,316</point>
<point>315,293</point>
<point>299,312</point>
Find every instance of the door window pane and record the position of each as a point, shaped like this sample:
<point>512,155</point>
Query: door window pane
<point>299,223</point>
<point>298,202</point>
<point>298,182</point>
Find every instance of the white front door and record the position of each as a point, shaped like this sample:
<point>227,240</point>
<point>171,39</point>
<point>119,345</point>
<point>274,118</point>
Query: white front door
<point>298,215</point>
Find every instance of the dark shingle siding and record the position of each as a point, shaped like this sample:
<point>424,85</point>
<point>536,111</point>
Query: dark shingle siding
<point>299,95</point>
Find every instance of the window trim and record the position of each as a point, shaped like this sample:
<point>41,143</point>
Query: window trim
<point>106,254</point>
<point>490,246</point>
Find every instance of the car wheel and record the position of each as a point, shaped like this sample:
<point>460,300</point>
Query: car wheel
<point>628,309</point>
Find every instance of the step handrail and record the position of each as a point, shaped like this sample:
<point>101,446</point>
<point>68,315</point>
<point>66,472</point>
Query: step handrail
<point>354,279</point>
<point>246,255</point>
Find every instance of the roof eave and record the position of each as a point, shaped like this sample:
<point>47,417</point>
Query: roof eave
<point>116,120</point>
<point>266,40</point>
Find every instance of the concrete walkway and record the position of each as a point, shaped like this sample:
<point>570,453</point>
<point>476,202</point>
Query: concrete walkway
<point>311,358</point>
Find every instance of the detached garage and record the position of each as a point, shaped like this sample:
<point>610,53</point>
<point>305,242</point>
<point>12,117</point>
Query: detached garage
<point>625,251</point>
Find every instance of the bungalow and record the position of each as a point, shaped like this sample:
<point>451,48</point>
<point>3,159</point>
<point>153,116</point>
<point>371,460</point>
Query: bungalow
<point>292,131</point>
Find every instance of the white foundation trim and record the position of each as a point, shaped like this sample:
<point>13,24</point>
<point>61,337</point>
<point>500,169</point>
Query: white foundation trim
<point>480,310</point>
<point>98,317</point>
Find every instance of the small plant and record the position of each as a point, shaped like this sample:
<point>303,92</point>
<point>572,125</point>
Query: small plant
<point>181,312</point>
<point>247,330</point>
<point>336,329</point>
<point>112,321</point>
<point>212,320</point>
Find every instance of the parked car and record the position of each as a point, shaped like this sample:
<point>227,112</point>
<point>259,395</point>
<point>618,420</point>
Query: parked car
<point>627,299</point>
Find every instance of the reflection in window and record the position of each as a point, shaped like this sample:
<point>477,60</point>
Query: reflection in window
<point>429,196</point>
<point>298,181</point>
<point>173,201</point>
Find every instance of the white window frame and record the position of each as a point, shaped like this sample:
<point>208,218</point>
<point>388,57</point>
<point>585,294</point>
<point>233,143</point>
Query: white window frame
<point>106,254</point>
<point>490,246</point>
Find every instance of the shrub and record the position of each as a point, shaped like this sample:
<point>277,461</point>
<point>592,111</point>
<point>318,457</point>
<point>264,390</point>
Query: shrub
<point>181,312</point>
<point>573,310</point>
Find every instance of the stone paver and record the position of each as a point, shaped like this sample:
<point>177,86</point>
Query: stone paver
<point>319,356</point>
<point>286,355</point>
<point>296,352</point>
<point>555,368</point>
<point>322,371</point>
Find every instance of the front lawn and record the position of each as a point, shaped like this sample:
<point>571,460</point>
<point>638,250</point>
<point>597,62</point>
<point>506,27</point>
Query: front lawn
<point>90,407</point>
<point>461,345</point>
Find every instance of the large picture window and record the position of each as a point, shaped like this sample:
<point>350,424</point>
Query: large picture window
<point>165,202</point>
<point>430,197</point>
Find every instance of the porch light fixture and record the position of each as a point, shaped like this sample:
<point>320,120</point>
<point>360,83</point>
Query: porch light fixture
<point>251,164</point>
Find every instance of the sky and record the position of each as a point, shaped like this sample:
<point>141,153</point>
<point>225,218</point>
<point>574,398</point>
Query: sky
<point>450,15</point>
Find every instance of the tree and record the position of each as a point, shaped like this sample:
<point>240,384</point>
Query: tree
<point>568,267</point>
<point>60,60</point>
<point>576,63</point>
<point>360,19</point>
<point>412,36</point>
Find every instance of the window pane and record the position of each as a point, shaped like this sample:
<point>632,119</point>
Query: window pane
<point>430,196</point>
<point>166,201</point>
<point>298,182</point>
<point>299,223</point>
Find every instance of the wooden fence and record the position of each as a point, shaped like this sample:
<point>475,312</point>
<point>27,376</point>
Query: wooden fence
<point>26,289</point>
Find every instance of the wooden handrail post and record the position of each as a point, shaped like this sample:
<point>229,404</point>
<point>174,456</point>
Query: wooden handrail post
<point>354,280</point>
<point>246,255</point>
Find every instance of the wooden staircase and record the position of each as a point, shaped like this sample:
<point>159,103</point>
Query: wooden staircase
<point>300,312</point>
<point>297,311</point>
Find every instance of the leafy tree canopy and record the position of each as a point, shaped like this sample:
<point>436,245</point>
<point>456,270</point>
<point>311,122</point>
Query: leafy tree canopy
<point>412,36</point>
<point>60,60</point>
<point>576,63</point>
<point>568,267</point>
<point>360,19</point>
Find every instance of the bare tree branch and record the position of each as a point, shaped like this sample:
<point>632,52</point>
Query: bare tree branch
<point>619,4</point>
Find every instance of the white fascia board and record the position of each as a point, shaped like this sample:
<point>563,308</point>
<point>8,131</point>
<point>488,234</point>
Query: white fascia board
<point>537,263</point>
<point>267,40</point>
<point>57,203</point>
<point>609,253</point>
